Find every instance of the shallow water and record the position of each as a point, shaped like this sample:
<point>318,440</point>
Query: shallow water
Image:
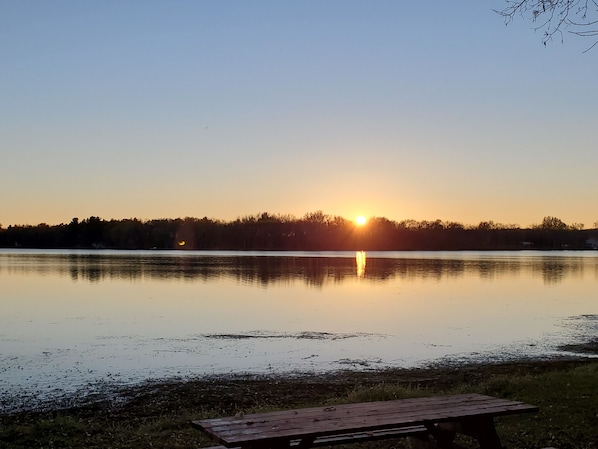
<point>73,322</point>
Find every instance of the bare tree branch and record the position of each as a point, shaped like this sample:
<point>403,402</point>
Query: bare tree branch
<point>555,17</point>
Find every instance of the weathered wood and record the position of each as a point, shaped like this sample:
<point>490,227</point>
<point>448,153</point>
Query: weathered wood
<point>273,429</point>
<point>356,437</point>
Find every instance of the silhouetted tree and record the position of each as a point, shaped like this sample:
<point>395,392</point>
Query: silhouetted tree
<point>553,223</point>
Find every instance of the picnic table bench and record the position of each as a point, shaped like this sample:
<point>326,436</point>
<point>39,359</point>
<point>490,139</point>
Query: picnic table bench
<point>440,417</point>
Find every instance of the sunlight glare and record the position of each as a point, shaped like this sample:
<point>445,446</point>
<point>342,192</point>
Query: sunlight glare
<point>361,220</point>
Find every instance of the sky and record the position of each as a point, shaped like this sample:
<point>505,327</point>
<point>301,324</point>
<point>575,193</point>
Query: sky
<point>223,109</point>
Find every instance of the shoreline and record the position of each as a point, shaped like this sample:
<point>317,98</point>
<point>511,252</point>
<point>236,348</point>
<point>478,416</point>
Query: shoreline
<point>107,394</point>
<point>111,391</point>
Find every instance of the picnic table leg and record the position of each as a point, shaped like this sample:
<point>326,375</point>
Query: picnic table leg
<point>484,431</point>
<point>444,434</point>
<point>306,442</point>
<point>427,442</point>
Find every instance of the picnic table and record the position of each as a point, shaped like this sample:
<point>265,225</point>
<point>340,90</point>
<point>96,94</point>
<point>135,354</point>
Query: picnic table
<point>440,417</point>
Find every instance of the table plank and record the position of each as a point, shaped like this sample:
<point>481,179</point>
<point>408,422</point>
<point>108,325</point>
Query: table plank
<point>378,408</point>
<point>321,421</point>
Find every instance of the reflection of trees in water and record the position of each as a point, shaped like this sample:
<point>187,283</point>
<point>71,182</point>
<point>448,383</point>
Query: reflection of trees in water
<point>554,271</point>
<point>314,271</point>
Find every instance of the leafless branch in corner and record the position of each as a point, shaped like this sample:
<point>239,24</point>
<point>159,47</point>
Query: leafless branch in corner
<point>554,17</point>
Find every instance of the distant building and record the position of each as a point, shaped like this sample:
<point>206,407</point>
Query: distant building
<point>592,243</point>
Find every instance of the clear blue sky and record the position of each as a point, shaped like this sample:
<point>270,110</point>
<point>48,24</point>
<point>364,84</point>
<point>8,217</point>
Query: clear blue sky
<point>407,110</point>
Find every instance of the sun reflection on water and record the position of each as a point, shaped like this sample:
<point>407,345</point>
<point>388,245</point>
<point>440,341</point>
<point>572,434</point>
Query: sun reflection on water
<point>360,262</point>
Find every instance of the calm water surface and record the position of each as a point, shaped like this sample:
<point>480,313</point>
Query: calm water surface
<point>73,322</point>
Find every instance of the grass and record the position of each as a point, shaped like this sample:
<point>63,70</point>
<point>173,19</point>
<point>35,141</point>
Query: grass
<point>158,416</point>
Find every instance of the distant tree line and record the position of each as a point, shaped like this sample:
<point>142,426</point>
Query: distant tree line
<point>315,231</point>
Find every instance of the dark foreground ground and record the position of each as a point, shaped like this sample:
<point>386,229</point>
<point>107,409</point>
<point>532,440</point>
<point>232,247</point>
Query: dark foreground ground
<point>158,415</point>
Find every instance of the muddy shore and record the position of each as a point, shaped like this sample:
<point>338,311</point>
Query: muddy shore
<point>233,393</point>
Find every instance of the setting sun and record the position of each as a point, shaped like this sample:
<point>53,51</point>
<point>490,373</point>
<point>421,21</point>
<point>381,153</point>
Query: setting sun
<point>360,220</point>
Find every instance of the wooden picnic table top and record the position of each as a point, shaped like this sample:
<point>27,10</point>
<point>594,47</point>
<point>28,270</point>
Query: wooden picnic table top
<point>261,429</point>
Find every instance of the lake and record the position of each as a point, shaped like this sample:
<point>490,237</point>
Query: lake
<point>75,323</point>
